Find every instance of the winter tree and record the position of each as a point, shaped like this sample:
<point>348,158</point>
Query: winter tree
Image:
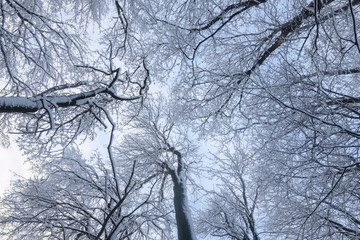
<point>164,151</point>
<point>66,66</point>
<point>281,77</point>
<point>232,205</point>
<point>78,199</point>
<point>74,198</point>
<point>284,76</point>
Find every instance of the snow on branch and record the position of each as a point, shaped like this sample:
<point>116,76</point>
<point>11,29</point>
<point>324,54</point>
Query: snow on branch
<point>34,104</point>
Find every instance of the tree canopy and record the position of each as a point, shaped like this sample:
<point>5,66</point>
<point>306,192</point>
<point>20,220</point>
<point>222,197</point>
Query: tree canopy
<point>248,129</point>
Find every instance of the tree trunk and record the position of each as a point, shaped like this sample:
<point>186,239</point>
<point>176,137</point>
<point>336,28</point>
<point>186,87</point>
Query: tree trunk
<point>183,217</point>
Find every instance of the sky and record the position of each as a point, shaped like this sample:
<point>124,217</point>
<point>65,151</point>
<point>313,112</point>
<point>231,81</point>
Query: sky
<point>12,162</point>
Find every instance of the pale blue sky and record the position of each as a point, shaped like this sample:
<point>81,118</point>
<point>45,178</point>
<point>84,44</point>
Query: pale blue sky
<point>12,162</point>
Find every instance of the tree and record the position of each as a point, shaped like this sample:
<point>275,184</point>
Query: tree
<point>163,150</point>
<point>123,197</point>
<point>282,75</point>
<point>70,198</point>
<point>231,211</point>
<point>62,83</point>
<point>58,77</point>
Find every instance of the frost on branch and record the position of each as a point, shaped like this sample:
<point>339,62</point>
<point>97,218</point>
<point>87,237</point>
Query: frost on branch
<point>57,75</point>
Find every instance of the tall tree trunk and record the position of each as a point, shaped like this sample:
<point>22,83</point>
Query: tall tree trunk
<point>183,218</point>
